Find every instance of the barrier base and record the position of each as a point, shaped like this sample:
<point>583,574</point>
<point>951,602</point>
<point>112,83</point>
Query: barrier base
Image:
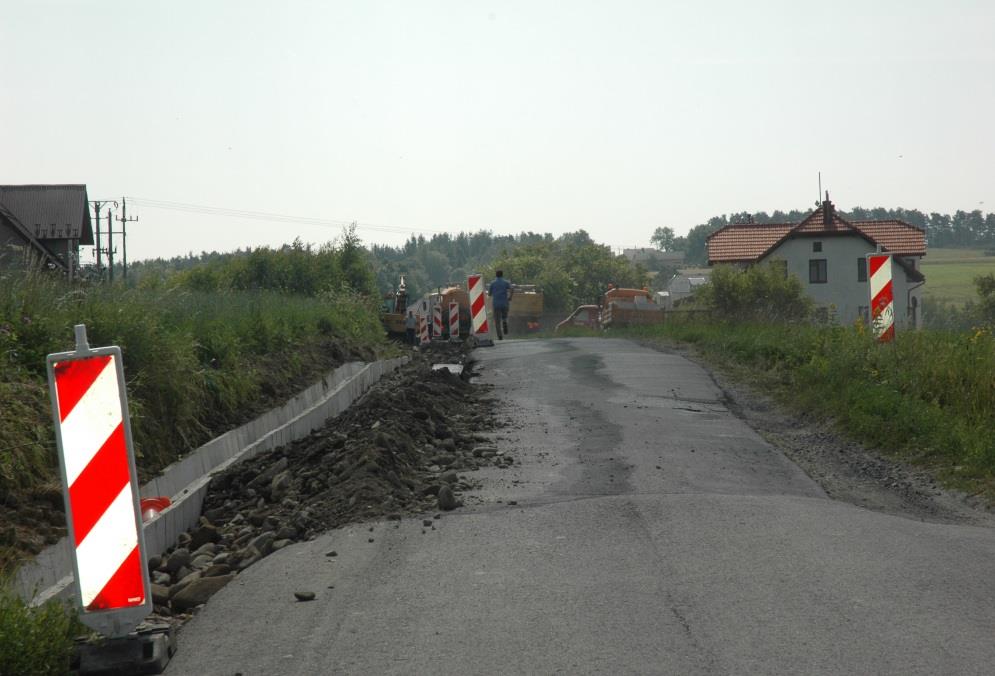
<point>145,652</point>
<point>482,342</point>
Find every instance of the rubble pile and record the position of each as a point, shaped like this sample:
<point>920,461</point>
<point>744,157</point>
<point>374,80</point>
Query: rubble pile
<point>398,450</point>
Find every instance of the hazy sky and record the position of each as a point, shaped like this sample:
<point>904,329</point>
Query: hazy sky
<point>547,116</point>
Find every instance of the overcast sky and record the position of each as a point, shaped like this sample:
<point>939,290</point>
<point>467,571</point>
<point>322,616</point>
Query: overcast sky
<point>419,116</point>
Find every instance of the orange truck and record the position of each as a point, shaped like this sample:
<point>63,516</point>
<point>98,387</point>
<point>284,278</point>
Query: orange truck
<point>618,308</point>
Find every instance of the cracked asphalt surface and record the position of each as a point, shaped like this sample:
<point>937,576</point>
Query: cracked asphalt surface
<point>644,528</point>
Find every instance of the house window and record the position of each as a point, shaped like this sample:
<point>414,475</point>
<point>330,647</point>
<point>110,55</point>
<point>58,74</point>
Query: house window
<point>817,247</point>
<point>817,271</point>
<point>861,269</point>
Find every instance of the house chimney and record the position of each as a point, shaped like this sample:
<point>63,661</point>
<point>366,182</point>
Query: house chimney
<point>828,212</point>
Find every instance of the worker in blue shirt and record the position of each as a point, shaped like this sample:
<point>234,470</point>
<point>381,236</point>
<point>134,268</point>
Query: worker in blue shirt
<point>500,291</point>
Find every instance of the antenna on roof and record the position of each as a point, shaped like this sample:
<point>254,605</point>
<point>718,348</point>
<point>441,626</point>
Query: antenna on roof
<point>818,202</point>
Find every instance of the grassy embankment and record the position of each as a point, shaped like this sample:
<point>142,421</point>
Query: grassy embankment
<point>202,353</point>
<point>196,362</point>
<point>927,399</point>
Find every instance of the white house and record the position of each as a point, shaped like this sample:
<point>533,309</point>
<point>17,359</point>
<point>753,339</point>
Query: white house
<point>829,254</point>
<point>683,284</point>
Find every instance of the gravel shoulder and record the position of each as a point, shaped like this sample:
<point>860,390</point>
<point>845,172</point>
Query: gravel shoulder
<point>846,470</point>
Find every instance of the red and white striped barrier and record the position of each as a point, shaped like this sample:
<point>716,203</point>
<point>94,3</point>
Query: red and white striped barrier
<point>437,320</point>
<point>93,433</point>
<point>422,329</point>
<point>882,297</point>
<point>478,308</point>
<point>453,321</point>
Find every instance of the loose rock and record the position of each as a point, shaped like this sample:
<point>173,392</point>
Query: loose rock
<point>447,500</point>
<point>199,591</point>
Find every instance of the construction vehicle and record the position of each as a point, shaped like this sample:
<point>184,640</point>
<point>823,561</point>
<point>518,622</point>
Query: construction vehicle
<point>525,309</point>
<point>629,307</point>
<point>586,316</point>
<point>618,308</point>
<point>394,309</point>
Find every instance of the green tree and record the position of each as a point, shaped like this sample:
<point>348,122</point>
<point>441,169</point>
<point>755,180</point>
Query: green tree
<point>759,293</point>
<point>571,270</point>
<point>663,239</point>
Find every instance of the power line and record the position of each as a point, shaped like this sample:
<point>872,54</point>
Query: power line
<point>203,209</point>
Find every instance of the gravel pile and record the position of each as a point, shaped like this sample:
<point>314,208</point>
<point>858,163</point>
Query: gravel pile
<point>399,450</point>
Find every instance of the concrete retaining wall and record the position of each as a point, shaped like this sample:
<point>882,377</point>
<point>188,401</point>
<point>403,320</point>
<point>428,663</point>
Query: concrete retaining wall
<point>186,481</point>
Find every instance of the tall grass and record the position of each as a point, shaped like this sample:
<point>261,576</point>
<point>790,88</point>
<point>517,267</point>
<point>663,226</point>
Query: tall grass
<point>195,361</point>
<point>928,398</point>
<point>37,641</point>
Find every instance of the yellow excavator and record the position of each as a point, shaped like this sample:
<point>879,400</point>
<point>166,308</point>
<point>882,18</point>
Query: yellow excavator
<point>394,309</point>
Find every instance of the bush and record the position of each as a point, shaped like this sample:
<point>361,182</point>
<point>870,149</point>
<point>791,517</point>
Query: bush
<point>759,293</point>
<point>37,641</point>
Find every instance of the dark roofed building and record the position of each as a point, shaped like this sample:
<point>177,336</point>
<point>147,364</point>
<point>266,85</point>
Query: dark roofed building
<point>828,253</point>
<point>44,224</point>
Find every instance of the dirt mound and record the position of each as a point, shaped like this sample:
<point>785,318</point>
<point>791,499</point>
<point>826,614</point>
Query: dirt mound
<point>396,451</point>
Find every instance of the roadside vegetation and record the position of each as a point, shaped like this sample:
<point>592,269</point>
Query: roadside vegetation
<point>204,351</point>
<point>36,641</point>
<point>928,398</point>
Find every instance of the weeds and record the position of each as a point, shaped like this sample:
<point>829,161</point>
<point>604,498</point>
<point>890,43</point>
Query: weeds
<point>197,363</point>
<point>35,640</point>
<point>928,398</point>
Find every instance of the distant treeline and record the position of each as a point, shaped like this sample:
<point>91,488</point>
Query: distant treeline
<point>962,229</point>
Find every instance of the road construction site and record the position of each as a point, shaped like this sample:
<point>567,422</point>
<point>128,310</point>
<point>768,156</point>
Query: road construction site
<point>611,510</point>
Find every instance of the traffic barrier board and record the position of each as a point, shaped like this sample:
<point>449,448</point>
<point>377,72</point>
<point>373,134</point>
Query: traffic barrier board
<point>453,321</point>
<point>480,330</point>
<point>423,337</point>
<point>437,321</point>
<point>100,486</point>
<point>882,297</point>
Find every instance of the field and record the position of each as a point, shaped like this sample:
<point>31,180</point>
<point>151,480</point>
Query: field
<point>950,273</point>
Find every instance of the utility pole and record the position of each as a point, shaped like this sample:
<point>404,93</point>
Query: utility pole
<point>124,235</point>
<point>110,246</point>
<point>97,205</point>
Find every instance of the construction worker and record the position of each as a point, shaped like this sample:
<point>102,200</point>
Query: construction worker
<point>500,292</point>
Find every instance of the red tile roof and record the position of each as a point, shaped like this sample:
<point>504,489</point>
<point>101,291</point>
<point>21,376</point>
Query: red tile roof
<point>747,242</point>
<point>897,237</point>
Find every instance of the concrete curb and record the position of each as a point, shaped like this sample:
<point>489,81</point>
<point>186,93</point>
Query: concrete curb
<point>186,480</point>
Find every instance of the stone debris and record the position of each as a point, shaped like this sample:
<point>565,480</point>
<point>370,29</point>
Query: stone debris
<point>447,500</point>
<point>198,591</point>
<point>304,595</point>
<point>401,450</point>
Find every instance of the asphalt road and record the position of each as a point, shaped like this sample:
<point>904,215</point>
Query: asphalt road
<point>654,532</point>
